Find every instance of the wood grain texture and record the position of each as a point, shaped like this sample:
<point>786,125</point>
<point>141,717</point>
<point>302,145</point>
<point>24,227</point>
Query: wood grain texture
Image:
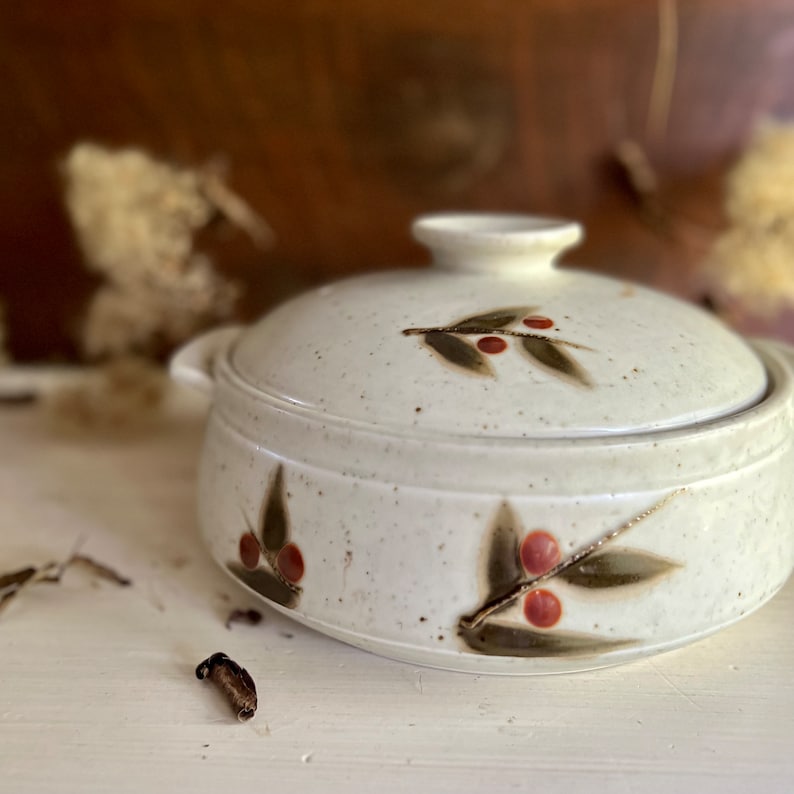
<point>342,120</point>
<point>99,680</point>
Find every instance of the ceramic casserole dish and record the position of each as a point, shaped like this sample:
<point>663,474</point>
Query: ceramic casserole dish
<point>494,464</point>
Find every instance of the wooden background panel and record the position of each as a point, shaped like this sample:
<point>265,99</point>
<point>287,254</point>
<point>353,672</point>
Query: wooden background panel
<point>342,120</point>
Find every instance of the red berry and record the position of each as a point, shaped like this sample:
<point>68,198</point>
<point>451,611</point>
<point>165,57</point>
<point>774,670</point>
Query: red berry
<point>249,551</point>
<point>542,608</point>
<point>536,321</point>
<point>492,344</point>
<point>290,563</point>
<point>539,552</point>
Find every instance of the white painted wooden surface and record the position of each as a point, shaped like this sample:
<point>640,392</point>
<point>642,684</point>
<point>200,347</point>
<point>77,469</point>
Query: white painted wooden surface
<point>98,694</point>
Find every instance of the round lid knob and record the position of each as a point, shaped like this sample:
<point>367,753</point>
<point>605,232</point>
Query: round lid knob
<point>489,244</point>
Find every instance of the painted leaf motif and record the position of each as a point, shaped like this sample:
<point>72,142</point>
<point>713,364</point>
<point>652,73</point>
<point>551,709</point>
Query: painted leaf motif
<point>498,318</point>
<point>552,358</point>
<point>500,638</point>
<point>458,352</point>
<point>265,583</point>
<point>617,568</point>
<point>502,566</point>
<point>274,521</point>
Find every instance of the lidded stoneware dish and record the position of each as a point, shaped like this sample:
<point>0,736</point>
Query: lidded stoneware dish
<point>497,465</point>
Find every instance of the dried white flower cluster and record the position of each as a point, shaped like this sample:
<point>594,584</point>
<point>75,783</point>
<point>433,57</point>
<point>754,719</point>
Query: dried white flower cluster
<point>753,261</point>
<point>135,220</point>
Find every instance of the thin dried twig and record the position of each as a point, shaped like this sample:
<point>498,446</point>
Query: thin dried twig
<point>664,71</point>
<point>629,155</point>
<point>238,211</point>
<point>100,569</point>
<point>13,583</point>
<point>642,183</point>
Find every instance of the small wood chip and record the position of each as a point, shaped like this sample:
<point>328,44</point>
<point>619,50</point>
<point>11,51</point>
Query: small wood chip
<point>234,681</point>
<point>252,617</point>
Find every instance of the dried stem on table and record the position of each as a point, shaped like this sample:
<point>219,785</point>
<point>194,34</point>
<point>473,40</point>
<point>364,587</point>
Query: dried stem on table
<point>13,583</point>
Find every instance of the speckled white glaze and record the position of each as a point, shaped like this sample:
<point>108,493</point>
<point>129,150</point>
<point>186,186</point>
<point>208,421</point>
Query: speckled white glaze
<point>653,361</point>
<point>394,514</point>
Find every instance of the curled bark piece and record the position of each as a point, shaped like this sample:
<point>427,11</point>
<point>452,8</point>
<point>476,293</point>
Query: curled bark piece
<point>234,681</point>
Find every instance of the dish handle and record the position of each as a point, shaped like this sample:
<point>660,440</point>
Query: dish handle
<point>194,363</point>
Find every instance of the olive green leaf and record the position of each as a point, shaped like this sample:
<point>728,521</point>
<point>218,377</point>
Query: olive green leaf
<point>274,520</point>
<point>502,564</point>
<point>617,568</point>
<point>458,352</point>
<point>552,358</point>
<point>266,584</point>
<point>501,638</point>
<point>498,318</point>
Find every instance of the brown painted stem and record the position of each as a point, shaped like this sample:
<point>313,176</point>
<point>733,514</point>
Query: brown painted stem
<point>467,330</point>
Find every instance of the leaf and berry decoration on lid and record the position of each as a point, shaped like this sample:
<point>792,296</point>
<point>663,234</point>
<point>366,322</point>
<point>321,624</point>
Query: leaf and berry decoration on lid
<point>269,562</point>
<point>528,570</point>
<point>492,331</point>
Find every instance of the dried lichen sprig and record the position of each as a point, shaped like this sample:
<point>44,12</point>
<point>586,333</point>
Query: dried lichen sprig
<point>524,586</point>
<point>750,265</point>
<point>234,681</point>
<point>136,220</point>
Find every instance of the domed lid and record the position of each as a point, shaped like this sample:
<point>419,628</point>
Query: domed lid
<point>494,341</point>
